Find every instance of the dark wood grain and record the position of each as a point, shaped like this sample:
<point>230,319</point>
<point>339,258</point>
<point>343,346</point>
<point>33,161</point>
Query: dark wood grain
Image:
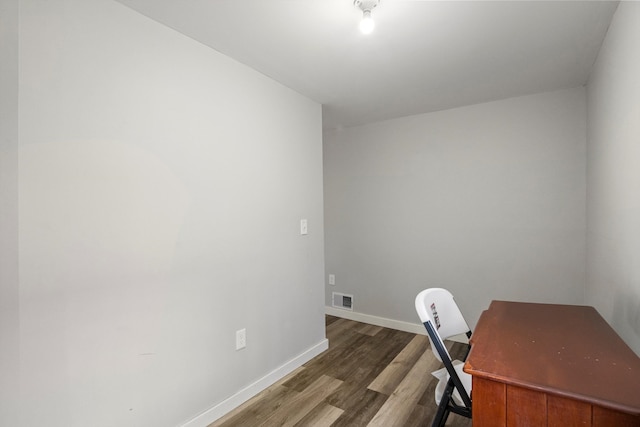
<point>489,409</point>
<point>525,407</point>
<point>567,350</point>
<point>604,417</point>
<point>559,365</point>
<point>563,412</point>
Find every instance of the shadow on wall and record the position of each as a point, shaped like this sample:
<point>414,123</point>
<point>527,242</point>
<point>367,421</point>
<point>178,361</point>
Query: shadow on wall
<point>626,314</point>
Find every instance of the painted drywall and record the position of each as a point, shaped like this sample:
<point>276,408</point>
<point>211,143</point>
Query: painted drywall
<point>487,201</point>
<point>161,185</point>
<point>9,295</point>
<point>613,238</point>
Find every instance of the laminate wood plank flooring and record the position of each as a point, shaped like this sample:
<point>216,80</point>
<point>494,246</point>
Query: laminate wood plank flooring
<point>369,376</point>
<point>395,372</point>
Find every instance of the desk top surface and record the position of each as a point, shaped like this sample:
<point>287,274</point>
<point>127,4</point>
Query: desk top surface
<point>567,350</point>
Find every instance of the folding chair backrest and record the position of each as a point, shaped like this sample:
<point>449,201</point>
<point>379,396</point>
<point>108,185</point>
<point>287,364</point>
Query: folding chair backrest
<point>442,319</point>
<point>436,305</point>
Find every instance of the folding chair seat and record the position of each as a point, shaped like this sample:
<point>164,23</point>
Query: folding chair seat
<point>442,318</point>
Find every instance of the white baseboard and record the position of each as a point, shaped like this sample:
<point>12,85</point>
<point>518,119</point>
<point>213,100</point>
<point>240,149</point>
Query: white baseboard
<point>251,390</point>
<point>399,325</point>
<point>414,328</point>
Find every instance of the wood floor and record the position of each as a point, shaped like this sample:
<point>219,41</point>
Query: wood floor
<point>370,376</point>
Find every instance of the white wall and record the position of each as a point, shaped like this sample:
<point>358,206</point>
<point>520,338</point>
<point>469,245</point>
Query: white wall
<point>161,185</point>
<point>9,300</point>
<point>614,177</point>
<point>486,200</point>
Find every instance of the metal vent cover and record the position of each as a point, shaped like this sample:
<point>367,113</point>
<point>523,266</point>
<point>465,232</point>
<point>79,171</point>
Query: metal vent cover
<point>343,301</point>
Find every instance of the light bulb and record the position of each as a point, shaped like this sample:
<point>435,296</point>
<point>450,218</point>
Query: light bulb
<point>367,24</point>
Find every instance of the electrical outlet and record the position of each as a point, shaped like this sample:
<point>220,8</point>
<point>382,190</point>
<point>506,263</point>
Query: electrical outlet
<point>332,279</point>
<point>241,339</point>
<point>303,227</point>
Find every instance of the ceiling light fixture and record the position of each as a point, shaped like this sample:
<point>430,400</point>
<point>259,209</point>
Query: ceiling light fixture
<point>367,24</point>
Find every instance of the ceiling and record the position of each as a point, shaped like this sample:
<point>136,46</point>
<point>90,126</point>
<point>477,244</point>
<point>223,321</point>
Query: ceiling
<point>423,56</point>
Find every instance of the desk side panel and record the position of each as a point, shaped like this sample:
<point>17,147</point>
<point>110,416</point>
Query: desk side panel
<point>603,417</point>
<point>526,407</point>
<point>489,403</point>
<point>563,412</point>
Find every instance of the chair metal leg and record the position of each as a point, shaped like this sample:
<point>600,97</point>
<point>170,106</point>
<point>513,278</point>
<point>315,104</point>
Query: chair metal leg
<point>443,408</point>
<point>441,416</point>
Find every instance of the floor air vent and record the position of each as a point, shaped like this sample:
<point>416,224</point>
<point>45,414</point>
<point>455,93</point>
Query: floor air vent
<point>343,301</point>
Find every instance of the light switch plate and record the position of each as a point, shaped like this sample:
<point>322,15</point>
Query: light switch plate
<point>241,339</point>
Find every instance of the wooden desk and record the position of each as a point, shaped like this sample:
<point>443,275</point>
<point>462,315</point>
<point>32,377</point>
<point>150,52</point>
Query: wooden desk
<point>549,364</point>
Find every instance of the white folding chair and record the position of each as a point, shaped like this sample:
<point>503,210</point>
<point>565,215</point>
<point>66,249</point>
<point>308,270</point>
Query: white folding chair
<point>442,318</point>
